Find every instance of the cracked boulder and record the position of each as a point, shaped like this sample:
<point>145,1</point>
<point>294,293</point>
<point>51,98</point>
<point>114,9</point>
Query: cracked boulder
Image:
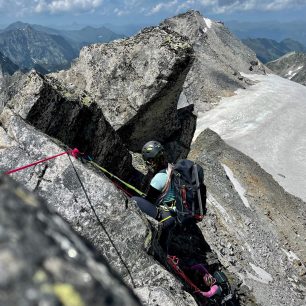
<point>101,214</point>
<point>43,262</point>
<point>73,119</point>
<point>136,82</point>
<point>219,59</point>
<point>256,228</point>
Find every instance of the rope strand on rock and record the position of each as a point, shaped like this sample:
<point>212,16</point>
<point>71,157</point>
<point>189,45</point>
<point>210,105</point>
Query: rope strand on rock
<point>101,224</point>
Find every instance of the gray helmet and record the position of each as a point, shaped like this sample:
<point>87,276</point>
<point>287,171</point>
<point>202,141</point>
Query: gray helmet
<point>152,150</point>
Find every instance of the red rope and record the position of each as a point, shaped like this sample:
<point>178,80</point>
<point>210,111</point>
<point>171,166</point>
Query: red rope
<point>122,189</point>
<point>173,261</point>
<point>75,152</point>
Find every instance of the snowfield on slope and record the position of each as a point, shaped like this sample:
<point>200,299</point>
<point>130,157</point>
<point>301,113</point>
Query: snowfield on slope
<point>266,121</point>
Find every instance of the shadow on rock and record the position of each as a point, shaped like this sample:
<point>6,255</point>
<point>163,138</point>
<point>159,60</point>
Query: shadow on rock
<point>182,250</point>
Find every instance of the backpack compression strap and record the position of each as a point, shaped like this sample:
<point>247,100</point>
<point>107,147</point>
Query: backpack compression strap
<point>195,171</point>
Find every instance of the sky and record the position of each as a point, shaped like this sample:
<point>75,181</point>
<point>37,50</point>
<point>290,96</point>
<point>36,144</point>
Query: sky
<point>98,12</point>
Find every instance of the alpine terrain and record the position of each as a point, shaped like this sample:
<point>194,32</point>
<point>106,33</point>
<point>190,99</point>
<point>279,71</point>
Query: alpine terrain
<point>47,49</point>
<point>291,66</point>
<point>71,233</point>
<point>269,49</point>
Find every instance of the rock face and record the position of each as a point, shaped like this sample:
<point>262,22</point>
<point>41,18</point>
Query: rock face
<point>256,228</point>
<point>112,224</point>
<point>133,79</point>
<point>75,120</point>
<point>11,84</point>
<point>44,262</point>
<point>115,98</point>
<point>219,57</point>
<point>291,66</point>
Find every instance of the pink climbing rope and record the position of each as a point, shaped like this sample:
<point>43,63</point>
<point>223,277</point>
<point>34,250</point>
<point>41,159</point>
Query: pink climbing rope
<point>75,153</point>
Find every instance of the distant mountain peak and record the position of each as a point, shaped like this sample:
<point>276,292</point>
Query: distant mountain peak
<point>18,25</point>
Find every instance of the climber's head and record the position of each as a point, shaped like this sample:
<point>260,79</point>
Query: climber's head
<point>153,153</point>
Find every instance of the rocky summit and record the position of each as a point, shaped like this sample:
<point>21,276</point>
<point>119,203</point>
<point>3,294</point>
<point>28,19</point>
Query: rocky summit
<point>114,98</point>
<point>219,59</point>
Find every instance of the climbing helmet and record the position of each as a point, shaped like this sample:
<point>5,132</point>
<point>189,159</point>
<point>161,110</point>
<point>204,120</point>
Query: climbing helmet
<point>152,152</point>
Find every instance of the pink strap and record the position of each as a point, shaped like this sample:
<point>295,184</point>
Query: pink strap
<point>213,290</point>
<point>75,152</point>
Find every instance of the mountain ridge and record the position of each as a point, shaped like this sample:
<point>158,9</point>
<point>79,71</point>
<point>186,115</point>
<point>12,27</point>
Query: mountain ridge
<point>47,49</point>
<point>269,49</point>
<point>291,66</point>
<point>117,96</point>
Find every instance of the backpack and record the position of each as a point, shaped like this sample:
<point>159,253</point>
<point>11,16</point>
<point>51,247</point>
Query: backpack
<point>190,192</point>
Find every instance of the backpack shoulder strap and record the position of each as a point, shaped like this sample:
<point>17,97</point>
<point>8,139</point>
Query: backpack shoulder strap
<point>169,172</point>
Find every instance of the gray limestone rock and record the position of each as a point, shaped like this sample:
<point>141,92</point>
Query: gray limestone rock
<point>43,262</point>
<point>219,59</point>
<point>136,82</point>
<point>256,228</point>
<point>110,222</point>
<point>73,119</point>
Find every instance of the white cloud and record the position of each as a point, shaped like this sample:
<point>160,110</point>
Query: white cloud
<point>65,5</point>
<point>162,6</point>
<point>186,5</point>
<point>227,6</point>
<point>145,7</point>
<point>120,12</point>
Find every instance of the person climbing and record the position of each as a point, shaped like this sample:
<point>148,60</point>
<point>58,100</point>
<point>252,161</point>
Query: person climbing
<point>177,194</point>
<point>153,153</point>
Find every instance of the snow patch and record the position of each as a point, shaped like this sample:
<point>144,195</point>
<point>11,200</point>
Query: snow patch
<point>223,211</point>
<point>208,22</point>
<point>237,185</point>
<point>263,276</point>
<point>289,72</point>
<point>291,256</point>
<point>205,30</point>
<point>265,121</point>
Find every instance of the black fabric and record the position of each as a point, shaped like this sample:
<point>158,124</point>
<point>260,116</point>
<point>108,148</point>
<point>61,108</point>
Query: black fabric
<point>159,214</point>
<point>146,206</point>
<point>184,179</point>
<point>152,195</point>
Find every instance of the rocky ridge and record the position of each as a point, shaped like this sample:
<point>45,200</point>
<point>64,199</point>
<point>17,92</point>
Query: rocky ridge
<point>69,105</point>
<point>291,66</point>
<point>219,59</point>
<point>57,182</point>
<point>134,78</point>
<point>255,227</point>
<point>44,262</point>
